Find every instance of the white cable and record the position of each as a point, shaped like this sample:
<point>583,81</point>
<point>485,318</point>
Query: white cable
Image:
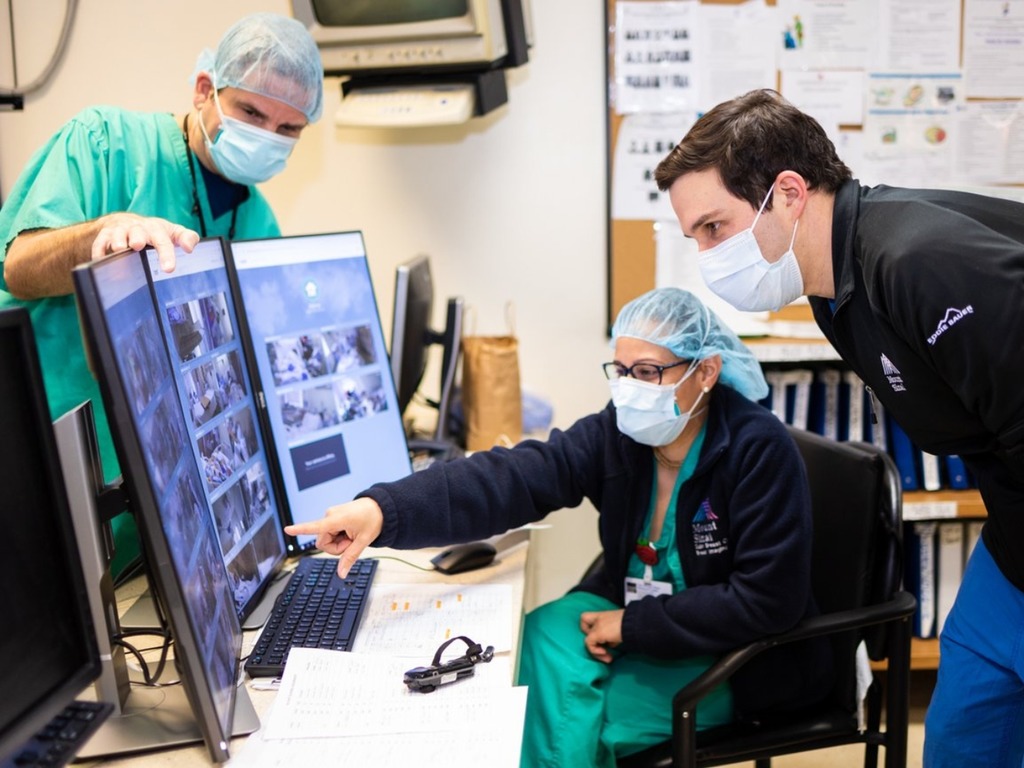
<point>44,77</point>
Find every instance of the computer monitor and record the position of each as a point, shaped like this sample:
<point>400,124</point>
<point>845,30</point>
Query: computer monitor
<point>412,336</point>
<point>200,328</point>
<point>48,653</point>
<point>320,370</point>
<point>180,542</point>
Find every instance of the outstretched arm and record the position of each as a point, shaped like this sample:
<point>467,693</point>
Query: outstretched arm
<point>39,262</point>
<point>346,530</point>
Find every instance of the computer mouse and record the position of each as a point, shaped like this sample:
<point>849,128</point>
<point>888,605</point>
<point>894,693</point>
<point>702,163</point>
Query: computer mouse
<point>464,557</point>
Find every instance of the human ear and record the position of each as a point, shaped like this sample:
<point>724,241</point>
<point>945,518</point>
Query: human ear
<point>203,90</point>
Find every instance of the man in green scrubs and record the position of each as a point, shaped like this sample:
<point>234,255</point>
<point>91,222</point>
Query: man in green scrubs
<point>112,179</point>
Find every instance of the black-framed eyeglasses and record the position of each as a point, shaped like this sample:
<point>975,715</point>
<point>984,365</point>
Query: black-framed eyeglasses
<point>648,372</point>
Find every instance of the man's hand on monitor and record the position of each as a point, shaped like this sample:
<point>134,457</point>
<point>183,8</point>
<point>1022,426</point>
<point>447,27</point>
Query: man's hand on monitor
<point>123,231</point>
<point>346,530</point>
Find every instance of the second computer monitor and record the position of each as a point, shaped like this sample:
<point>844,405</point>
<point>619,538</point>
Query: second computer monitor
<point>413,334</point>
<point>48,650</point>
<point>178,534</point>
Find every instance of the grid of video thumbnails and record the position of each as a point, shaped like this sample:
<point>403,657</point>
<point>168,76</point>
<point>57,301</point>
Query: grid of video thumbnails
<point>224,432</point>
<point>176,483</point>
<point>324,379</point>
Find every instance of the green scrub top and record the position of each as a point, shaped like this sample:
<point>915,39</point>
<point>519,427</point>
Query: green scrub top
<point>105,160</point>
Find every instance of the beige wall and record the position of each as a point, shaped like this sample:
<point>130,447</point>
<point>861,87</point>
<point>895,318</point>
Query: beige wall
<point>510,207</point>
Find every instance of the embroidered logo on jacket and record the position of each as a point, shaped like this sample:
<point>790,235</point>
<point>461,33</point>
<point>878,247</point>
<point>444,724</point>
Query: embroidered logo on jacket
<point>707,539</point>
<point>951,318</point>
<point>893,375</point>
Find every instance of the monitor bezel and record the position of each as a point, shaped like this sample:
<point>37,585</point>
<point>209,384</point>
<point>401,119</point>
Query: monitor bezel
<point>215,726</point>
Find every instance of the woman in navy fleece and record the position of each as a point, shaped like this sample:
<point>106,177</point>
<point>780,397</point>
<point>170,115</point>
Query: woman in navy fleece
<point>705,524</point>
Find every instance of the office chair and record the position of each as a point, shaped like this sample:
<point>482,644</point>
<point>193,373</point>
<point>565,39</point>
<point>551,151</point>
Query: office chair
<point>856,574</point>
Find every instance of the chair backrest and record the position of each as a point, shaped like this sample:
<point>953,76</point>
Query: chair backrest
<point>856,502</point>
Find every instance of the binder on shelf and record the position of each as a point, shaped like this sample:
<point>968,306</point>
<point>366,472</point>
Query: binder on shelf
<point>971,536</point>
<point>931,478</point>
<point>950,568</point>
<point>854,405</point>
<point>919,575</point>
<point>777,393</point>
<point>827,403</point>
<point>904,454</point>
<point>800,382</point>
<point>957,472</point>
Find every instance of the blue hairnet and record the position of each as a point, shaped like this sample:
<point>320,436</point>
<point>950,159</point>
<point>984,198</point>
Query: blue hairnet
<point>680,322</point>
<point>272,55</point>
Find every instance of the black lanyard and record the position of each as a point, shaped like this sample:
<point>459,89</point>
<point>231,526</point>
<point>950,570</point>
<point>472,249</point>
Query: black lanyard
<point>197,209</point>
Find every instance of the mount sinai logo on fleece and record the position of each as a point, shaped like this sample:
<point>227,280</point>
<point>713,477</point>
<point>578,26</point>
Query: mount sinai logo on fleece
<point>707,539</point>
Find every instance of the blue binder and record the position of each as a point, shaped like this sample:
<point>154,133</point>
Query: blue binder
<point>957,472</point>
<point>905,456</point>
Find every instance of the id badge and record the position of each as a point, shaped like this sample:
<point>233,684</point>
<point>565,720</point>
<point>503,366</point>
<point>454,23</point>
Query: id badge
<point>637,589</point>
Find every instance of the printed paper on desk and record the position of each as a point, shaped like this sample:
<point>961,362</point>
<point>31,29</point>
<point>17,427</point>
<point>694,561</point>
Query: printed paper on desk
<point>493,738</point>
<point>412,620</point>
<point>334,693</point>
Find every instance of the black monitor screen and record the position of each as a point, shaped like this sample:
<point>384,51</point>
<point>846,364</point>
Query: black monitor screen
<point>411,331</point>
<point>311,314</point>
<point>48,651</point>
<point>182,547</point>
<point>200,324</point>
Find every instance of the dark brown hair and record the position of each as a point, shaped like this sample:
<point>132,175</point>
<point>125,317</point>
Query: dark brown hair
<point>750,140</point>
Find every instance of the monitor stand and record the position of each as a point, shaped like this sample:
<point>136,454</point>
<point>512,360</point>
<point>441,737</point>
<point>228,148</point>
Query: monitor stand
<point>160,718</point>
<point>142,614</point>
<point>144,717</point>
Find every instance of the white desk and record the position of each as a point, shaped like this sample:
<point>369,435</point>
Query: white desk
<point>508,568</point>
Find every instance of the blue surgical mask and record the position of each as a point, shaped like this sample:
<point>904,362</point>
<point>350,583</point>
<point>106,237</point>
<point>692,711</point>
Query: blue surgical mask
<point>244,153</point>
<point>737,271</point>
<point>649,413</point>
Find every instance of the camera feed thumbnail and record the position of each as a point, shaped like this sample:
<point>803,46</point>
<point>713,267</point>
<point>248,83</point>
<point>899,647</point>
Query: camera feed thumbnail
<point>227,447</point>
<point>311,409</point>
<point>200,326</point>
<point>213,386</point>
<point>321,353</point>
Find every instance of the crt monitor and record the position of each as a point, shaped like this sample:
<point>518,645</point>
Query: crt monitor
<point>402,36</point>
<point>412,336</point>
<point>48,653</point>
<point>180,542</point>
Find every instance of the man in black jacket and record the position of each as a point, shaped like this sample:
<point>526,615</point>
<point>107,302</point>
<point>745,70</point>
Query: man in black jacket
<point>920,291</point>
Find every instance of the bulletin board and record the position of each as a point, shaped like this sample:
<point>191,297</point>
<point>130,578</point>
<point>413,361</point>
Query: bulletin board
<point>633,241</point>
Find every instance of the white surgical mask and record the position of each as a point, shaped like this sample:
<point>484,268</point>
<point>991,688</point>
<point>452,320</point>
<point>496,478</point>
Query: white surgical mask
<point>737,271</point>
<point>649,413</point>
<point>244,153</point>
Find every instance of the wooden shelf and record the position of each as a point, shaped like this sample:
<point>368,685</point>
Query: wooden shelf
<point>943,505</point>
<point>924,654</point>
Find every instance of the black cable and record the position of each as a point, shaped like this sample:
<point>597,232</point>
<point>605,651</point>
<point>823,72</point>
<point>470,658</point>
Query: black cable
<point>14,53</point>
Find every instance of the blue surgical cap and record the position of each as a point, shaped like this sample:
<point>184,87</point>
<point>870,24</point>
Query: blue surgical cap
<point>272,55</point>
<point>680,322</point>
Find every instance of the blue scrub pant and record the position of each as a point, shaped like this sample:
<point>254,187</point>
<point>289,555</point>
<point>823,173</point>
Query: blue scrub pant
<point>583,713</point>
<point>976,715</point>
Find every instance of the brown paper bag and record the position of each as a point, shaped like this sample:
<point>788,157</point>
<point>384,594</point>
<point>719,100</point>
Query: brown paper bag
<point>491,397</point>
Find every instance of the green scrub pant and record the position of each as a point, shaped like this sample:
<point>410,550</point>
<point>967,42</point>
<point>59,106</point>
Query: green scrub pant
<point>582,712</point>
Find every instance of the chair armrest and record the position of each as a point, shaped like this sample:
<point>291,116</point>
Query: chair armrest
<point>900,606</point>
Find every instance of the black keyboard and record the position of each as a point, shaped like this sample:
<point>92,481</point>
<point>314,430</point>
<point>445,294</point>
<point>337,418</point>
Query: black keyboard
<point>58,741</point>
<point>316,610</point>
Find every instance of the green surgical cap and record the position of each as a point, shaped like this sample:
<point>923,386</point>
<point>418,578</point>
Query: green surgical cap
<point>271,55</point>
<point>680,322</point>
